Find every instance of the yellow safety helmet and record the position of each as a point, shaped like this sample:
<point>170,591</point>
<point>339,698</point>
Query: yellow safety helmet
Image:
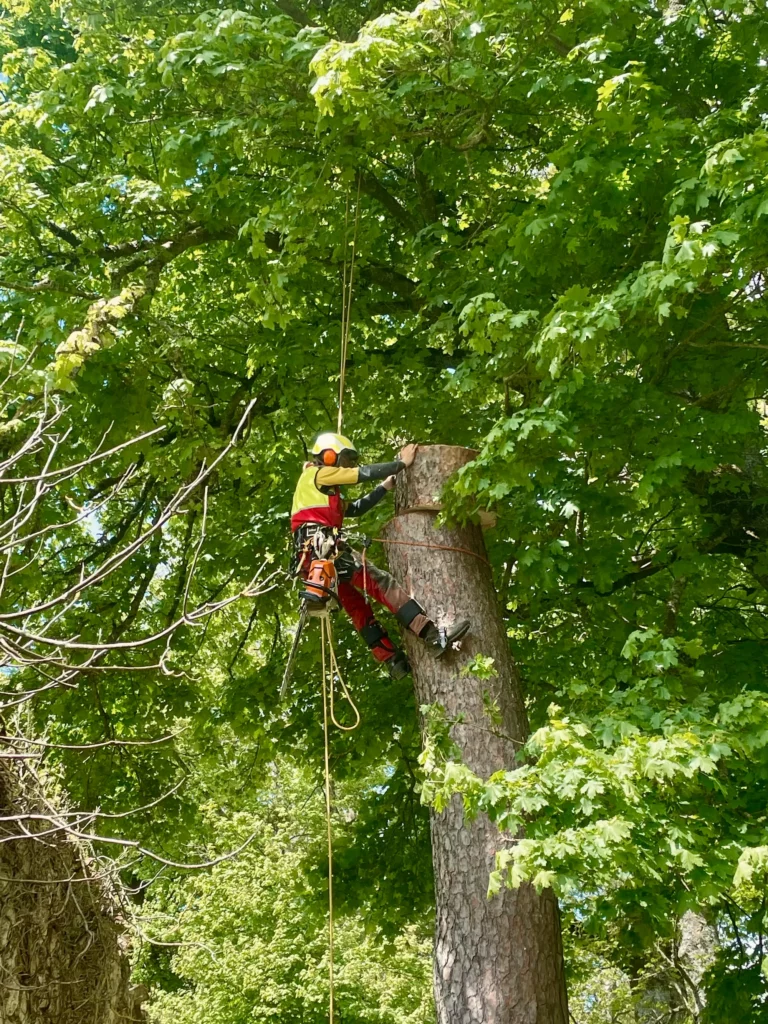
<point>330,447</point>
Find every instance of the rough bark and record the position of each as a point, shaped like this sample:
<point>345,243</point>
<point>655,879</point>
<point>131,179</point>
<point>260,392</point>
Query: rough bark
<point>499,960</point>
<point>696,951</point>
<point>63,957</point>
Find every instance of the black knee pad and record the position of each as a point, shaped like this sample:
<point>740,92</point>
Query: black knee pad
<point>373,633</point>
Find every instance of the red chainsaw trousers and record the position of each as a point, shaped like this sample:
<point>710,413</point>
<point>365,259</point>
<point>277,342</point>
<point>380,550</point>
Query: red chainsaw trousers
<point>357,582</point>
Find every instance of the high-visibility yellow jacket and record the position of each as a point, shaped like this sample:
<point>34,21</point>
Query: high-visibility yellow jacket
<point>317,498</point>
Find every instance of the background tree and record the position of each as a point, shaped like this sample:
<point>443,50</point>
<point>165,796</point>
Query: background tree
<point>64,949</point>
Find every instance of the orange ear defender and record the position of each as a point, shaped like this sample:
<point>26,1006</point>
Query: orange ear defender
<point>330,458</point>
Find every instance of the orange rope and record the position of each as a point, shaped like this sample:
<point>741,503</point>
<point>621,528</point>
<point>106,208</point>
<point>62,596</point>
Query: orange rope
<point>435,547</point>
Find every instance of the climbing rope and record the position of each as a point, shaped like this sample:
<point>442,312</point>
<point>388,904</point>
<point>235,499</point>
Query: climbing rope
<point>329,829</point>
<point>329,675</point>
<point>346,296</point>
<point>330,668</point>
<point>434,547</point>
<point>335,673</point>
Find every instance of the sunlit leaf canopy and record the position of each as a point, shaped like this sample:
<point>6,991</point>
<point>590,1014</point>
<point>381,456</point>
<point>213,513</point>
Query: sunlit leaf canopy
<point>560,224</point>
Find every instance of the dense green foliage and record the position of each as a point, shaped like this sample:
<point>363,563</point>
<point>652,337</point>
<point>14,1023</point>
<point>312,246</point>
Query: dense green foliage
<point>255,928</point>
<point>561,246</point>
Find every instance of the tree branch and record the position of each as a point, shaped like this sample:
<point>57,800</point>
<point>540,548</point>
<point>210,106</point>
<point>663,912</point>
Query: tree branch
<point>372,187</point>
<point>293,11</point>
<point>392,280</point>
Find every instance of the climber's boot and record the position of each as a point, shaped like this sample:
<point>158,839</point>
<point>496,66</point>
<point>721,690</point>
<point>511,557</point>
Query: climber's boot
<point>440,639</point>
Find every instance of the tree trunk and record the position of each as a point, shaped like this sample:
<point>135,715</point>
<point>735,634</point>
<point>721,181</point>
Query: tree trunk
<point>668,984</point>
<point>499,960</point>
<point>63,950</point>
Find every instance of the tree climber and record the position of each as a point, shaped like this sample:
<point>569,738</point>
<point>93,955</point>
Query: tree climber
<point>316,520</point>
